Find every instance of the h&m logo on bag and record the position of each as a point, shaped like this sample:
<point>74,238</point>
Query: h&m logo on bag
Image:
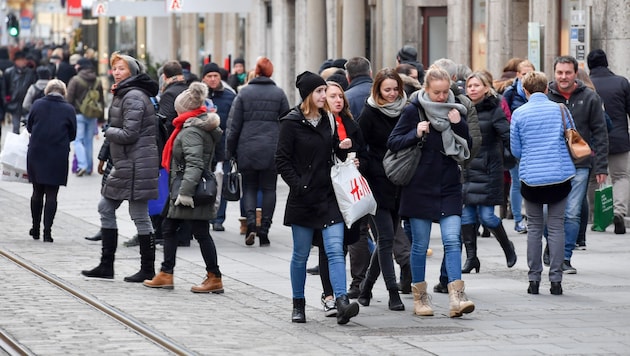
<point>359,188</point>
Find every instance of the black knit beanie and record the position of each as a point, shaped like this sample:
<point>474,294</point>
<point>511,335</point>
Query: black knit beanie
<point>210,68</point>
<point>597,58</point>
<point>307,82</point>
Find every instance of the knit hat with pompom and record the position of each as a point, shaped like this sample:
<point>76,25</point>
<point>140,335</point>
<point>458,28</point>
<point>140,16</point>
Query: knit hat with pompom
<point>191,98</point>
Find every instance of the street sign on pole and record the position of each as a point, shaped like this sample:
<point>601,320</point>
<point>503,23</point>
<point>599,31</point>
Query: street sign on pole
<point>174,5</point>
<point>99,8</point>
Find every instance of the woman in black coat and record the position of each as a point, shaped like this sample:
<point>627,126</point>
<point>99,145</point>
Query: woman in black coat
<point>378,118</point>
<point>48,150</point>
<point>306,144</point>
<point>483,175</point>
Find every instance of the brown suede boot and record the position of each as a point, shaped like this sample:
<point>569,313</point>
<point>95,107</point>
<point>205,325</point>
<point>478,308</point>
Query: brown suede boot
<point>212,284</point>
<point>161,280</point>
<point>243,222</point>
<point>258,217</point>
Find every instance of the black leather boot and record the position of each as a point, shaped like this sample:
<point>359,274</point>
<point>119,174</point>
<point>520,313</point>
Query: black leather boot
<point>147,260</point>
<point>405,279</point>
<point>346,310</point>
<point>533,287</point>
<point>366,292</point>
<point>469,236</point>
<point>97,237</point>
<point>250,236</point>
<point>298,315</point>
<point>556,288</point>
<point>394,300</point>
<point>105,270</point>
<point>506,244</point>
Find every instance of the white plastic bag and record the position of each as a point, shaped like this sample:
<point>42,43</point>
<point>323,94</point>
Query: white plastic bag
<point>10,174</point>
<point>354,196</point>
<point>13,153</point>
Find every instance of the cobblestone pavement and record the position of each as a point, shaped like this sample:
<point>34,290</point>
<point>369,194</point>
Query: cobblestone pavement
<point>253,316</point>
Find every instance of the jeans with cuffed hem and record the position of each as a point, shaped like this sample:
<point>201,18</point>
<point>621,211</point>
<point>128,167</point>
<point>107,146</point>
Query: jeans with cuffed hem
<point>333,244</point>
<point>450,227</point>
<point>573,211</point>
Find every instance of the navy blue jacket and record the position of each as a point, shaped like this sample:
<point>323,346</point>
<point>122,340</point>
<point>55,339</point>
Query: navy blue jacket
<point>222,99</point>
<point>357,93</point>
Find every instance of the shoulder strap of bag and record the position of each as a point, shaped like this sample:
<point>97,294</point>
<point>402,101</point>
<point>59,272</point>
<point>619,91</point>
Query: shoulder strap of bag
<point>565,117</point>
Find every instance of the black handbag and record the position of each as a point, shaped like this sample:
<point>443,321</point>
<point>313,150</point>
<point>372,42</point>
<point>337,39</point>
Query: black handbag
<point>401,166</point>
<point>232,182</point>
<point>206,191</point>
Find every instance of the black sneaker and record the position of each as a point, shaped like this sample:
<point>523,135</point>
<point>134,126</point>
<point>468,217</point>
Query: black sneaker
<point>620,225</point>
<point>581,246</point>
<point>353,292</point>
<point>330,307</point>
<point>313,270</point>
<point>440,288</point>
<point>567,268</point>
<point>218,227</point>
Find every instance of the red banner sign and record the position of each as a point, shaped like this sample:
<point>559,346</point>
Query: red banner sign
<point>73,8</point>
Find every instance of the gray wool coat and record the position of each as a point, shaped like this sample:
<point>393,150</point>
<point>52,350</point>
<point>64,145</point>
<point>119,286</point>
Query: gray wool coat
<point>193,150</point>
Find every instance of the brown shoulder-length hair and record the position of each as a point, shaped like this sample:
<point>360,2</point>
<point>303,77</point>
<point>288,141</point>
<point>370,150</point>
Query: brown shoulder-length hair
<point>381,76</point>
<point>308,107</point>
<point>345,111</point>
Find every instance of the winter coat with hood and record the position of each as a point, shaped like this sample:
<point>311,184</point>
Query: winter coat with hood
<point>193,151</point>
<point>588,115</point>
<point>614,91</point>
<point>79,86</point>
<point>132,141</point>
<point>253,124</point>
<point>167,102</point>
<point>304,159</point>
<point>483,175</point>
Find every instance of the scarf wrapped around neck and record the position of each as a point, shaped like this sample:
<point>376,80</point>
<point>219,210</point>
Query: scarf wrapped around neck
<point>437,113</point>
<point>178,123</point>
<point>390,109</point>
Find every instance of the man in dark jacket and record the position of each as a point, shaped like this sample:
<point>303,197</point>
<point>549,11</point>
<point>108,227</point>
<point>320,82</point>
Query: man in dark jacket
<point>221,103</point>
<point>359,74</point>
<point>17,80</point>
<point>252,136</point>
<point>174,83</point>
<point>615,92</point>
<point>237,78</point>
<point>409,54</point>
<point>586,108</point>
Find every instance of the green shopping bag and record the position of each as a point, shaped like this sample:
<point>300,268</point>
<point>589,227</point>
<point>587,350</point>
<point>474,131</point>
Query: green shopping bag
<point>603,212</point>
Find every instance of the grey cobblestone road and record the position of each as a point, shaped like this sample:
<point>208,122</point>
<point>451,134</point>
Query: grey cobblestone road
<point>253,316</point>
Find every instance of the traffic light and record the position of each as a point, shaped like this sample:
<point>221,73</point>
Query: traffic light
<point>13,25</point>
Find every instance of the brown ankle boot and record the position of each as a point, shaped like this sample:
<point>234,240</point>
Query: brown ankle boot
<point>243,222</point>
<point>161,280</point>
<point>212,284</point>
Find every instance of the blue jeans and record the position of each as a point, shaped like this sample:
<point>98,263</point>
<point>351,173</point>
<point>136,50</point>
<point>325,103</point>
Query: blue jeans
<point>484,213</point>
<point>333,244</point>
<point>516,199</point>
<point>255,181</point>
<point>573,212</point>
<point>450,227</point>
<point>83,149</point>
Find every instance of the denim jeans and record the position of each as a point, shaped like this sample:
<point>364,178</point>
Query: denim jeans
<point>16,119</point>
<point>573,211</point>
<point>450,227</point>
<point>516,199</point>
<point>333,244</point>
<point>83,148</point>
<point>480,213</point>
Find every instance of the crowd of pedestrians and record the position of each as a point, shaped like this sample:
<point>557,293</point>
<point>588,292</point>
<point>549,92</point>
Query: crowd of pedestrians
<point>484,143</point>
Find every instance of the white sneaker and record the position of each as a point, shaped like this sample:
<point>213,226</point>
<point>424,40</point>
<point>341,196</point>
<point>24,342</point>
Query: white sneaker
<point>330,307</point>
<point>521,227</point>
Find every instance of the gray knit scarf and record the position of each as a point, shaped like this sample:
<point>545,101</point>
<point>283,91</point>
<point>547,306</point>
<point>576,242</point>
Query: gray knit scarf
<point>390,109</point>
<point>437,113</point>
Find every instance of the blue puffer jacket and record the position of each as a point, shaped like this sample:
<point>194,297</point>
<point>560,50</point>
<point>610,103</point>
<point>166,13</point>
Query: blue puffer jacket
<point>537,139</point>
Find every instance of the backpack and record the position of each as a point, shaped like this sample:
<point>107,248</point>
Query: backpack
<point>39,93</point>
<point>161,135</point>
<point>90,106</point>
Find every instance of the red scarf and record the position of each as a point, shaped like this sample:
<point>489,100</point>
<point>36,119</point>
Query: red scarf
<point>178,123</point>
<point>341,129</point>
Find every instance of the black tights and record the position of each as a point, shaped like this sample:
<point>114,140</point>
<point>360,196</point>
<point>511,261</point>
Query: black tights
<point>37,205</point>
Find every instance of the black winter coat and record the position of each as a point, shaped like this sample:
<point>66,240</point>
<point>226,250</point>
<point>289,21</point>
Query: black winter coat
<point>16,84</point>
<point>167,103</point>
<point>132,141</point>
<point>222,98</point>
<point>375,128</point>
<point>53,125</point>
<point>483,175</point>
<point>304,159</point>
<point>253,124</point>
<point>435,191</point>
<point>614,91</point>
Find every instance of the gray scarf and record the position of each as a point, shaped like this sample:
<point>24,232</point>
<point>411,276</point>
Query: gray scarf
<point>437,113</point>
<point>390,109</point>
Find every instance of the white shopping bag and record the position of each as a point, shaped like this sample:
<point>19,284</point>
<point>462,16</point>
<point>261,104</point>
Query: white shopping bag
<point>14,151</point>
<point>354,196</point>
<point>10,174</point>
